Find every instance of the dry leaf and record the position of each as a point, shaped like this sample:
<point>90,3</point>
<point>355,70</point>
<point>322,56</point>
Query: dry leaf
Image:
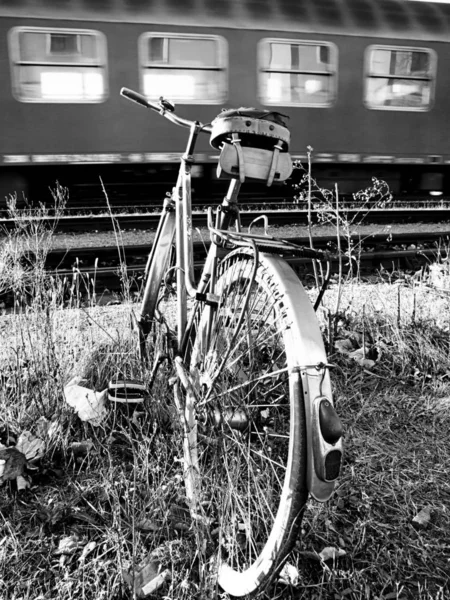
<point>359,356</point>
<point>423,517</point>
<point>147,525</point>
<point>87,550</point>
<point>14,464</point>
<point>22,483</point>
<point>331,553</point>
<point>68,545</point>
<point>45,428</point>
<point>289,575</point>
<point>344,346</point>
<point>147,579</point>
<point>367,363</point>
<point>82,448</point>
<point>156,583</point>
<point>30,445</point>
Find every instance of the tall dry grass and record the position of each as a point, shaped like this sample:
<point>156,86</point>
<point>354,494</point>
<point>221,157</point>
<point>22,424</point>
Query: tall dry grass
<point>104,500</point>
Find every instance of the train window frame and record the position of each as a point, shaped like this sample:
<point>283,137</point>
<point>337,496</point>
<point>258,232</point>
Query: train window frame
<point>17,63</point>
<point>431,77</point>
<point>222,65</point>
<point>263,45</point>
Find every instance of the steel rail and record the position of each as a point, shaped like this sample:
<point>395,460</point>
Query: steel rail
<point>142,221</point>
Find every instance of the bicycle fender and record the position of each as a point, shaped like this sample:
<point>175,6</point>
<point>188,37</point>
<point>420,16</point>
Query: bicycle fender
<point>311,380</point>
<point>157,265</point>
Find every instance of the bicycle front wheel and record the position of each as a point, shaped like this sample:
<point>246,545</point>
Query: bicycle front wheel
<point>249,438</point>
<point>156,269</point>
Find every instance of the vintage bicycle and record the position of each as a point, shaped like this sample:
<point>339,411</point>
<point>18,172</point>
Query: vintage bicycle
<point>251,377</point>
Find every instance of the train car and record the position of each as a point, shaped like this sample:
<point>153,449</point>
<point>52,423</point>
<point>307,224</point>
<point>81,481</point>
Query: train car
<point>365,83</point>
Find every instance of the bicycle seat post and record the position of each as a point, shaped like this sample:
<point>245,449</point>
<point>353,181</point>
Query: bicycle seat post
<point>228,212</point>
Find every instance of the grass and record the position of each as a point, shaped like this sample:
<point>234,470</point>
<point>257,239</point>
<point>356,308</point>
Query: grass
<point>104,501</point>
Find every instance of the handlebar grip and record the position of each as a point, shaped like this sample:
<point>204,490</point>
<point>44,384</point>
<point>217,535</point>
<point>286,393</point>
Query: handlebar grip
<point>164,108</point>
<point>135,97</point>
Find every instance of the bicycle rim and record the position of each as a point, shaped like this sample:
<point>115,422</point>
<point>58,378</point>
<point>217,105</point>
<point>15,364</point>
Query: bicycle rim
<point>250,433</point>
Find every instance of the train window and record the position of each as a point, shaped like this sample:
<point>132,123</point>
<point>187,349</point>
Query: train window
<point>399,78</point>
<point>58,65</point>
<point>189,69</point>
<point>297,72</point>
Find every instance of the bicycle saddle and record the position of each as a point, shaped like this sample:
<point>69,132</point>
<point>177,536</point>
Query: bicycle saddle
<point>253,143</point>
<point>256,128</point>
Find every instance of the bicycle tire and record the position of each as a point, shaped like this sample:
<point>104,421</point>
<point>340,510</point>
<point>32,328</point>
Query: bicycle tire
<point>253,536</point>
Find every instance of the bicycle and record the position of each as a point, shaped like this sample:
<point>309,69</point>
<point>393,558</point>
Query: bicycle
<point>252,384</point>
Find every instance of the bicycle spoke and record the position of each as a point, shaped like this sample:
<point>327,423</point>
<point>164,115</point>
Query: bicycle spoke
<point>271,462</point>
<point>256,380</point>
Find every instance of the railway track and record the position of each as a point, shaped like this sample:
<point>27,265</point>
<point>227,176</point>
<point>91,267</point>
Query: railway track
<point>99,269</point>
<point>149,220</point>
<point>109,279</point>
<point>404,251</point>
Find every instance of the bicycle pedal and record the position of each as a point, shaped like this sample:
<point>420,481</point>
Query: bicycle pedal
<point>127,391</point>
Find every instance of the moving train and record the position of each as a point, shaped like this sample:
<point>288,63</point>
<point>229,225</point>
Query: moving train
<point>365,83</point>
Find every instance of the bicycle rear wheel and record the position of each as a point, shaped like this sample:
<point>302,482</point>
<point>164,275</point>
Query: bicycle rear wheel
<point>249,437</point>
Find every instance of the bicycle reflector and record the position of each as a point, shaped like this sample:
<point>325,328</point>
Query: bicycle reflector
<point>327,434</point>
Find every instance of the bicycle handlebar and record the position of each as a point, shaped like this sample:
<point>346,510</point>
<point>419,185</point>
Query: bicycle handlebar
<point>163,109</point>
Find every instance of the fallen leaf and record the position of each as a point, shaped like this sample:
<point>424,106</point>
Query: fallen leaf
<point>30,445</point>
<point>45,428</point>
<point>136,416</point>
<point>87,550</point>
<point>423,517</point>
<point>68,545</point>
<point>14,464</point>
<point>356,337</point>
<point>156,583</point>
<point>367,363</point>
<point>289,575</point>
<point>344,346</point>
<point>22,483</point>
<point>359,356</point>
<point>147,525</point>
<point>331,553</point>
<point>82,448</point>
